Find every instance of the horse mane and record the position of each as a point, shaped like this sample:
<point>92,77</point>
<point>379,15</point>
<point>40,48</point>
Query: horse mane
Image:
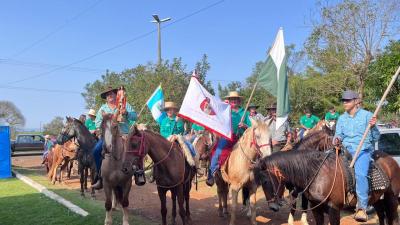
<point>308,142</point>
<point>297,167</point>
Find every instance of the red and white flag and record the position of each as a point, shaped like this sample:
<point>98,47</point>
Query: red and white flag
<point>201,107</point>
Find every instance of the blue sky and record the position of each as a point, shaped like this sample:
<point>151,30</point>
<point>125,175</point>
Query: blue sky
<point>234,34</point>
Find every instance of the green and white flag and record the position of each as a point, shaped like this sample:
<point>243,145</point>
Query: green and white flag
<point>273,77</point>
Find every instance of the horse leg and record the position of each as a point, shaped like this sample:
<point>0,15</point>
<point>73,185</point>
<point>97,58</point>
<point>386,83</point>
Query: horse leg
<point>71,164</point>
<point>294,196</point>
<point>82,179</point>
<point>125,202</point>
<point>180,203</point>
<point>225,199</point>
<point>86,176</point>
<point>380,211</point>
<point>234,192</point>
<point>220,197</point>
<point>253,200</point>
<point>334,216</point>
<point>93,174</point>
<point>162,195</point>
<point>318,214</point>
<point>187,201</point>
<point>391,204</point>
<point>173,198</point>
<point>304,206</point>
<point>107,204</point>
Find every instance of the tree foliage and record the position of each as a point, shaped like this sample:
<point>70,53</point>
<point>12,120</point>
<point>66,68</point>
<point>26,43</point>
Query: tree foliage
<point>10,115</point>
<point>54,127</point>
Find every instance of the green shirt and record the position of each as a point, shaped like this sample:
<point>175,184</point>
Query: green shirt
<point>129,119</point>
<point>309,122</point>
<point>197,127</point>
<point>236,117</point>
<point>170,126</point>
<point>90,124</point>
<point>330,117</point>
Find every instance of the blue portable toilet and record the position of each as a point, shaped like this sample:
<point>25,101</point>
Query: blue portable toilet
<point>5,152</point>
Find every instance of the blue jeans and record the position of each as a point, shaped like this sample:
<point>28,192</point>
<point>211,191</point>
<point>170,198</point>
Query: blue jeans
<point>97,154</point>
<point>214,160</point>
<point>361,173</point>
<point>191,148</point>
<point>301,133</point>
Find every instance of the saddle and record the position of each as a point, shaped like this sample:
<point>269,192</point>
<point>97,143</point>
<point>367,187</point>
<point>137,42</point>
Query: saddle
<point>179,139</point>
<point>377,178</point>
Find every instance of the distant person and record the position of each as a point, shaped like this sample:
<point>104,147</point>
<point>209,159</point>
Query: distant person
<point>82,118</point>
<point>89,123</point>
<point>307,122</point>
<point>254,114</point>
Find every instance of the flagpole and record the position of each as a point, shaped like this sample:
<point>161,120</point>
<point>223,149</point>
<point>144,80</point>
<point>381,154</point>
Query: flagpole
<point>375,114</point>
<point>144,105</point>
<point>248,102</point>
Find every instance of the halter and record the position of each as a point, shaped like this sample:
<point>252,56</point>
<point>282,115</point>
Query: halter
<point>256,145</point>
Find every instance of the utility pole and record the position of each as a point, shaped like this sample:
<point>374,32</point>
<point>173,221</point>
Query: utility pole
<point>158,21</point>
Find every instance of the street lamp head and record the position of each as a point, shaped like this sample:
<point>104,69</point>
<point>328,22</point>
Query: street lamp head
<point>166,19</point>
<point>156,18</point>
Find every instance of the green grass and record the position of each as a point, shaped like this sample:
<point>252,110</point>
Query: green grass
<point>21,204</point>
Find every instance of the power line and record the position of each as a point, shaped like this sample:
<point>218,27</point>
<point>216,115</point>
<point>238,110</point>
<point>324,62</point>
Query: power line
<point>14,62</point>
<point>39,89</point>
<point>118,45</point>
<point>57,29</point>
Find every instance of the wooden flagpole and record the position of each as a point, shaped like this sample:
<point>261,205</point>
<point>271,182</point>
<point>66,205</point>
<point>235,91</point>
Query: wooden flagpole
<point>248,102</point>
<point>394,78</point>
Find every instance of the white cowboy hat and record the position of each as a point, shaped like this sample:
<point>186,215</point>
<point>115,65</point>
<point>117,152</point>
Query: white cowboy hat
<point>233,94</point>
<point>92,112</point>
<point>47,136</point>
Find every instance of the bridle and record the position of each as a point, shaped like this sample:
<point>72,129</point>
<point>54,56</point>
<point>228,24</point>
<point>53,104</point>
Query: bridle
<point>256,145</point>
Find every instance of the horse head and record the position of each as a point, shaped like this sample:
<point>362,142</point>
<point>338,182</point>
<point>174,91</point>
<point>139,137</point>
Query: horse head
<point>68,131</point>
<point>110,132</point>
<point>260,137</point>
<point>133,156</point>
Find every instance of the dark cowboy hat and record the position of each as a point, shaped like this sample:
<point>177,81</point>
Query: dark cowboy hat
<point>350,95</point>
<point>272,106</point>
<point>109,89</point>
<point>252,105</point>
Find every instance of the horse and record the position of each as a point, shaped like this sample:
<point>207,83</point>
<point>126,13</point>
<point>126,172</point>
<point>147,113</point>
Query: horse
<point>236,172</point>
<point>74,128</point>
<point>61,154</point>
<point>171,169</point>
<point>202,144</point>
<point>117,179</point>
<point>322,177</point>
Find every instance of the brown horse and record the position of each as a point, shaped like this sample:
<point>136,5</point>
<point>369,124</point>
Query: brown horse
<point>171,170</point>
<point>237,169</point>
<point>117,179</point>
<point>322,177</point>
<point>61,155</point>
<point>202,144</point>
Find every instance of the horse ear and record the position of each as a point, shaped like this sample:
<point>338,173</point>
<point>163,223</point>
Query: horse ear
<point>69,119</point>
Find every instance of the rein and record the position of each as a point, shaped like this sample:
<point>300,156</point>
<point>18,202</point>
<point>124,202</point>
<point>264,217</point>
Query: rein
<point>257,148</point>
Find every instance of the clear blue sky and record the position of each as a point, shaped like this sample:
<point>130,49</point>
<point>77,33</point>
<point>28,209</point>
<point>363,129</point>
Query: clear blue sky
<point>234,34</point>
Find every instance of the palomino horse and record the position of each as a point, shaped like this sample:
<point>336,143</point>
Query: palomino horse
<point>322,177</point>
<point>61,155</point>
<point>171,170</point>
<point>237,172</point>
<point>117,179</point>
<point>74,128</point>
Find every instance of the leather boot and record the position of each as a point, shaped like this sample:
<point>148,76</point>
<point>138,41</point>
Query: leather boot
<point>99,183</point>
<point>361,215</point>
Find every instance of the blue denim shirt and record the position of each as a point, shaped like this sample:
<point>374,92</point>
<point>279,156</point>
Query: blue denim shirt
<point>351,129</point>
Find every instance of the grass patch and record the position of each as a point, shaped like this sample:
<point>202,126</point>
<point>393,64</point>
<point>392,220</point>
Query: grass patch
<point>21,204</point>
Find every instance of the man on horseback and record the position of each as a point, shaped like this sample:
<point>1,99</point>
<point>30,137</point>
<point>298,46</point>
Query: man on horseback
<point>307,122</point>
<point>349,130</point>
<point>89,123</point>
<point>253,112</point>
<point>234,99</point>
<point>110,107</point>
<point>280,136</point>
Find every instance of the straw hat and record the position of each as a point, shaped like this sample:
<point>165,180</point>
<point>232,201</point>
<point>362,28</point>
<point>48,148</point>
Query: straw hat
<point>233,94</point>
<point>92,112</point>
<point>109,89</point>
<point>170,105</point>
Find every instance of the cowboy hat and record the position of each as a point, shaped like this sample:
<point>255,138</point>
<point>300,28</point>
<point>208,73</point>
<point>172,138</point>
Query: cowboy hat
<point>233,94</point>
<point>170,105</point>
<point>272,106</point>
<point>349,95</point>
<point>92,112</point>
<point>109,89</point>
<point>47,136</point>
<point>252,105</point>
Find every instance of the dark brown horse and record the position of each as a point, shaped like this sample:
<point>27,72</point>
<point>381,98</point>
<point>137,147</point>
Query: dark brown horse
<point>171,170</point>
<point>322,177</point>
<point>74,128</point>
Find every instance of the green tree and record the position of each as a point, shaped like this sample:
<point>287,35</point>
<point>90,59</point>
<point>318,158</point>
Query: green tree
<point>11,116</point>
<point>54,127</point>
<point>380,74</point>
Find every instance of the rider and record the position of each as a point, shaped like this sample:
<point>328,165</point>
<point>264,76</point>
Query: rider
<point>350,128</point>
<point>307,121</point>
<point>332,115</point>
<point>110,107</point>
<point>253,112</point>
<point>89,123</point>
<point>48,145</point>
<point>234,99</point>
<point>280,136</point>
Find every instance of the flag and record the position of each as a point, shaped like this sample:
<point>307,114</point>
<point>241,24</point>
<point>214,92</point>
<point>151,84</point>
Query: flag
<point>201,107</point>
<point>273,77</point>
<point>156,104</point>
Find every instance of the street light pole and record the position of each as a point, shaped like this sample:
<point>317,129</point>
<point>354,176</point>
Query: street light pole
<point>158,21</point>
